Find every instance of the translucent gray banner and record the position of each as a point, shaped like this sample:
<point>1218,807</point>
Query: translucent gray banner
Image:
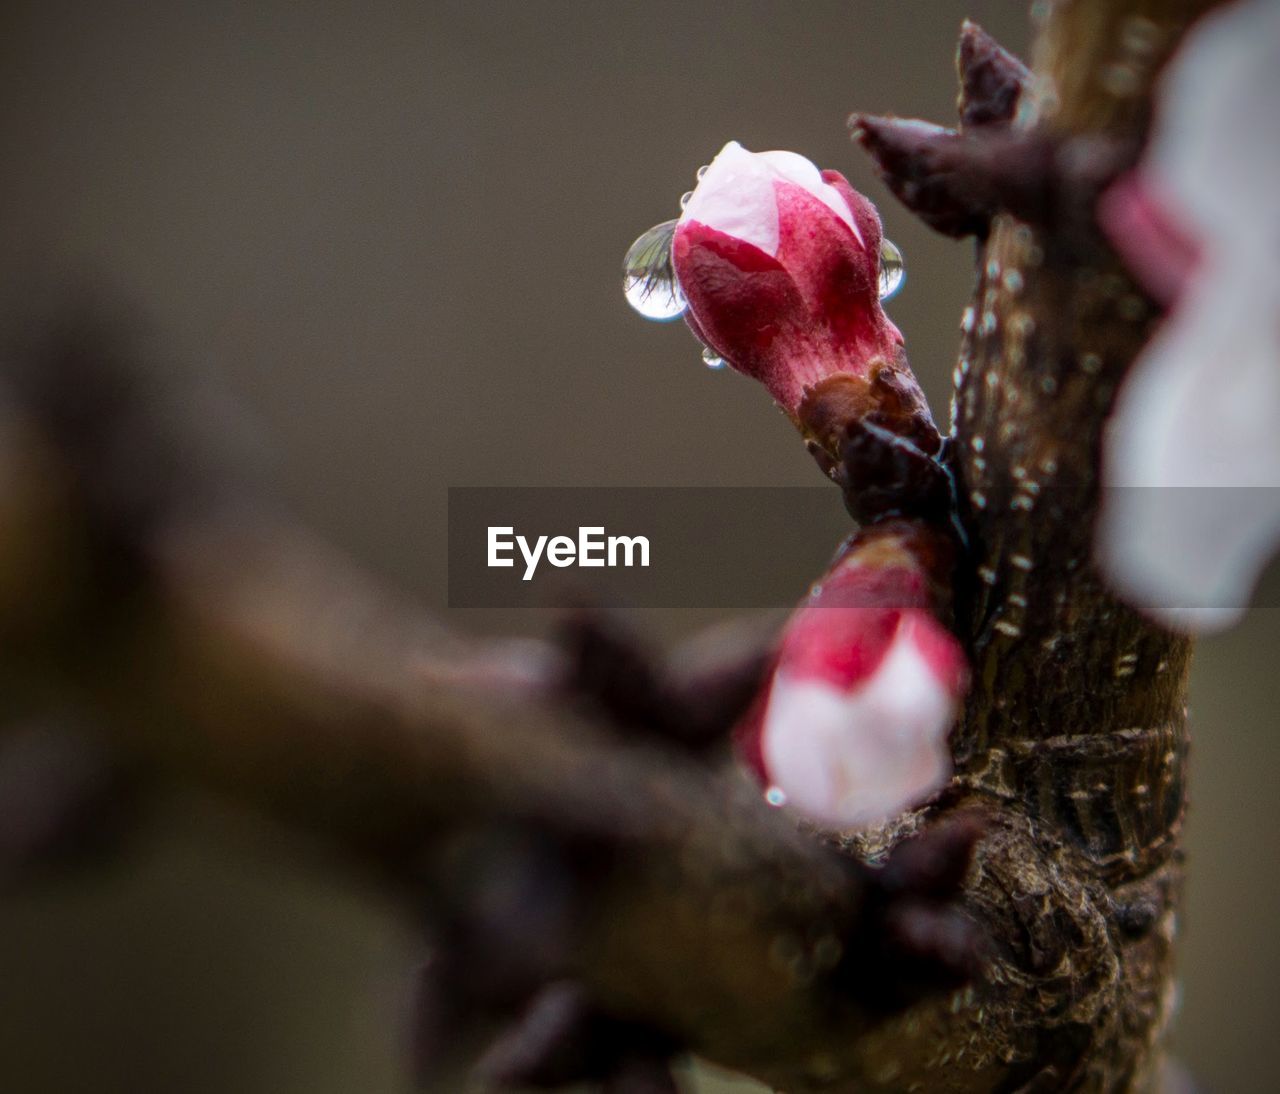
<point>714,547</point>
<point>641,547</point>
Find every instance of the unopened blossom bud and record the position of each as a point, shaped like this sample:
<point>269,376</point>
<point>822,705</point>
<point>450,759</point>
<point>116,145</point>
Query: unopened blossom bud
<point>781,266</point>
<point>853,726</point>
<point>1192,457</point>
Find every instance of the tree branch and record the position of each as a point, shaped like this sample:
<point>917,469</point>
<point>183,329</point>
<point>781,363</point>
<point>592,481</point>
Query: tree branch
<point>220,646</point>
<point>1076,720</point>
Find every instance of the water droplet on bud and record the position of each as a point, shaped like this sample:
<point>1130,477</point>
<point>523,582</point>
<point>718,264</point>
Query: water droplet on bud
<point>649,279</point>
<point>776,796</point>
<point>684,198</point>
<point>702,170</point>
<point>892,270</point>
<point>711,359</point>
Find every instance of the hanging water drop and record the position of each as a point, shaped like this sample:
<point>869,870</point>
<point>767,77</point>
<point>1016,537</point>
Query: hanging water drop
<point>684,198</point>
<point>892,270</point>
<point>711,359</point>
<point>776,796</point>
<point>649,279</point>
<point>702,171</point>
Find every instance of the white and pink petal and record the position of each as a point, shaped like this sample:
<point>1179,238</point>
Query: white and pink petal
<point>854,754</point>
<point>779,263</point>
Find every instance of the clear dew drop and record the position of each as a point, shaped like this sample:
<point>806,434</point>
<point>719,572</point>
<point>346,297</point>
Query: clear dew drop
<point>703,170</point>
<point>649,278</point>
<point>892,270</point>
<point>776,796</point>
<point>711,359</point>
<point>685,197</point>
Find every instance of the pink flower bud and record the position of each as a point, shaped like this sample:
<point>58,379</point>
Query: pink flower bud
<point>780,263</point>
<point>853,726</point>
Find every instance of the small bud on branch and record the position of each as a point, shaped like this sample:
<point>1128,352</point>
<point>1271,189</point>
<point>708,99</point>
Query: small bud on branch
<point>853,726</point>
<point>780,263</point>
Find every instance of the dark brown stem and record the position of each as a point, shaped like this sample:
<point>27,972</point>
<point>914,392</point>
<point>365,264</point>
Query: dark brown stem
<point>1076,720</point>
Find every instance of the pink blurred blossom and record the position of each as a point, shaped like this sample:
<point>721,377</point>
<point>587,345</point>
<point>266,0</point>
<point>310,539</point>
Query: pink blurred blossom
<point>1191,513</point>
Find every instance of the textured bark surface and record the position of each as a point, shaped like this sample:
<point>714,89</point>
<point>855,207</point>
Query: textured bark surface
<point>1075,730</point>
<point>213,644</point>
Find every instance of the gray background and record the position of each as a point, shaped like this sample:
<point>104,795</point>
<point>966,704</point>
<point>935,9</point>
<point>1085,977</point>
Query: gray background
<point>395,231</point>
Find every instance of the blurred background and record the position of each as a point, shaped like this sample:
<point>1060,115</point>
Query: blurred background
<point>393,233</point>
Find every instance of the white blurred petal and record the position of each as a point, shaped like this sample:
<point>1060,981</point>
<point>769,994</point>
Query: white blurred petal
<point>1192,509</point>
<point>1215,148</point>
<point>849,759</point>
<point>1192,452</point>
